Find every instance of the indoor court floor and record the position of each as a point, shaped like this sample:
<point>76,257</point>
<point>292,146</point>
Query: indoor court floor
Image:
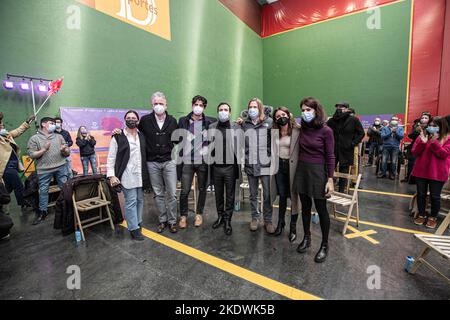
<point>202,263</point>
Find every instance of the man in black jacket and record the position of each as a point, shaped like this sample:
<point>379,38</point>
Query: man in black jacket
<point>193,145</point>
<point>157,128</point>
<point>374,133</point>
<point>348,133</point>
<point>69,142</point>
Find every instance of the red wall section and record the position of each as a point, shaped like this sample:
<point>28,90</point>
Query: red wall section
<point>428,32</point>
<point>444,95</point>
<point>285,15</point>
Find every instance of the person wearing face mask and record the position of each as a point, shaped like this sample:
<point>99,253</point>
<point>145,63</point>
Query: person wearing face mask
<point>127,166</point>
<point>315,172</point>
<point>285,146</point>
<point>374,133</point>
<point>49,150</point>
<point>224,139</point>
<point>87,143</point>
<point>391,135</point>
<point>420,125</point>
<point>69,142</point>
<point>192,144</point>
<point>157,128</point>
<point>348,133</point>
<point>257,149</point>
<point>10,159</point>
<point>432,168</point>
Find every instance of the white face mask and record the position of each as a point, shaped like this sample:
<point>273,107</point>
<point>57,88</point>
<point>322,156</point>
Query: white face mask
<point>159,109</point>
<point>198,111</point>
<point>224,116</point>
<point>394,123</point>
<point>377,123</point>
<point>253,113</point>
<point>58,126</point>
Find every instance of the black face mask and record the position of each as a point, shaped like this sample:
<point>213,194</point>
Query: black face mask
<point>282,121</point>
<point>132,124</point>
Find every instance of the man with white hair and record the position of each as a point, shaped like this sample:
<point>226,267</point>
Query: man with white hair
<point>157,128</point>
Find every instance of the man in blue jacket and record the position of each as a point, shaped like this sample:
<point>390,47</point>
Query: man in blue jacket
<point>391,135</point>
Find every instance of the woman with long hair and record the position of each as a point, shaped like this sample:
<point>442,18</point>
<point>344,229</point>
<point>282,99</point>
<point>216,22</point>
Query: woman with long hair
<point>286,147</point>
<point>431,169</point>
<point>87,143</point>
<point>257,161</point>
<point>315,171</point>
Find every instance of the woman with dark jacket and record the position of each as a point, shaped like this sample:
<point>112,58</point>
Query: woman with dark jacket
<point>285,148</point>
<point>87,143</point>
<point>315,171</point>
<point>431,170</point>
<point>127,166</point>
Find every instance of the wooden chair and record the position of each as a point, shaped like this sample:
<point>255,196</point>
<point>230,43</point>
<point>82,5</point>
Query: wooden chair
<point>434,242</point>
<point>346,200</point>
<point>98,202</point>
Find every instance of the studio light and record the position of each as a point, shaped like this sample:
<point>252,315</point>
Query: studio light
<point>24,86</point>
<point>42,88</point>
<point>8,84</point>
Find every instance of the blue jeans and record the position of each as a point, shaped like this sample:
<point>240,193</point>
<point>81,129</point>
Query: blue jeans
<point>44,184</point>
<point>391,153</point>
<point>13,182</point>
<point>134,205</point>
<point>85,161</point>
<point>69,167</point>
<point>374,150</point>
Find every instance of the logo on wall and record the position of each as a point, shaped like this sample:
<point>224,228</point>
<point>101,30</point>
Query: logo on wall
<point>150,15</point>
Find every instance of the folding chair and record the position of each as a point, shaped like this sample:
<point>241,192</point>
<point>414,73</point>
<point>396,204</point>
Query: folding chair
<point>438,243</point>
<point>83,206</point>
<point>346,199</point>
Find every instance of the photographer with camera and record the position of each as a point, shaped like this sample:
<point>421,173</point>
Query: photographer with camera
<point>127,171</point>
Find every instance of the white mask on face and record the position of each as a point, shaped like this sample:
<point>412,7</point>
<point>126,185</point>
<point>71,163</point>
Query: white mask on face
<point>224,116</point>
<point>159,109</point>
<point>198,111</point>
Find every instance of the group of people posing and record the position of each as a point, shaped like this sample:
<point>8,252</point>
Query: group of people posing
<point>289,158</point>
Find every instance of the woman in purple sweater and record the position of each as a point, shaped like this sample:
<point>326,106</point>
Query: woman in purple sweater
<point>315,170</point>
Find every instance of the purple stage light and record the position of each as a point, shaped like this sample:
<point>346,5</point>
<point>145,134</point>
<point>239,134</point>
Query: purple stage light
<point>8,84</point>
<point>42,87</point>
<point>24,86</point>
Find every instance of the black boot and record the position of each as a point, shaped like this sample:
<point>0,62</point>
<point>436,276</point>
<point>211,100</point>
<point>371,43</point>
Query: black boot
<point>293,228</point>
<point>40,216</point>
<point>137,235</point>
<point>218,222</point>
<point>280,228</point>
<point>227,227</point>
<point>305,244</point>
<point>322,254</point>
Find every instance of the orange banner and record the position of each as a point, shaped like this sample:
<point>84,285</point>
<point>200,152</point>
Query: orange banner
<point>150,15</point>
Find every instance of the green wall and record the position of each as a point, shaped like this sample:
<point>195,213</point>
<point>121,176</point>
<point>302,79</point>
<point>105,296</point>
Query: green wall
<point>342,59</point>
<point>111,64</point>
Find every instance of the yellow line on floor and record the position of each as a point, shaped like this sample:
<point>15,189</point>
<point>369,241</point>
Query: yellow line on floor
<point>401,195</point>
<point>379,225</point>
<point>373,224</point>
<point>250,276</point>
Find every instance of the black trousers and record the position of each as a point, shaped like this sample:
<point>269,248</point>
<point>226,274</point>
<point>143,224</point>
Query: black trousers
<point>321,207</point>
<point>342,182</point>
<point>282,179</point>
<point>224,185</point>
<point>435,196</point>
<point>13,182</point>
<point>186,184</point>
